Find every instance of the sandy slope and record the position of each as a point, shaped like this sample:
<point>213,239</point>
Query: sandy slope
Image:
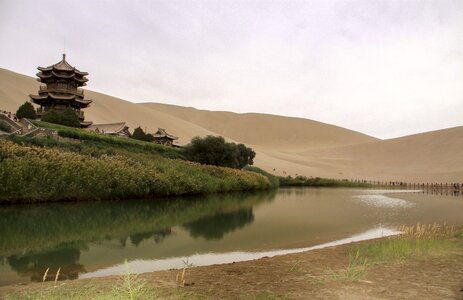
<point>284,145</point>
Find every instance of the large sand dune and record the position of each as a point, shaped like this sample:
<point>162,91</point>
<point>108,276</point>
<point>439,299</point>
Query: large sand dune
<point>284,145</point>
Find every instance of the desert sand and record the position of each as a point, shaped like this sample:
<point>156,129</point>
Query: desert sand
<point>284,145</point>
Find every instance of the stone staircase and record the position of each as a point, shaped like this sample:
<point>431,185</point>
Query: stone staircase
<point>25,128</point>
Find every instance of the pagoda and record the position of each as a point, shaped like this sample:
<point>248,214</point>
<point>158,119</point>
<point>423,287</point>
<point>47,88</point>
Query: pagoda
<point>62,90</point>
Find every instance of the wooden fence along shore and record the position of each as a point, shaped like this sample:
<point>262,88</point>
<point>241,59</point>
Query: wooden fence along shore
<point>452,189</point>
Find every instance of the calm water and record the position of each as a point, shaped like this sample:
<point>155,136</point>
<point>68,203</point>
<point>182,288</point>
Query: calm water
<point>94,239</point>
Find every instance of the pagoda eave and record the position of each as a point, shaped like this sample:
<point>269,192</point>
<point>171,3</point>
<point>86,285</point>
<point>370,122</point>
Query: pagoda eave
<point>85,124</point>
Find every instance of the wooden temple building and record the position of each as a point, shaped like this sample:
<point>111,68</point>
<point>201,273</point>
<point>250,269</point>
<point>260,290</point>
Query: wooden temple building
<point>163,138</point>
<point>117,129</point>
<point>61,90</point>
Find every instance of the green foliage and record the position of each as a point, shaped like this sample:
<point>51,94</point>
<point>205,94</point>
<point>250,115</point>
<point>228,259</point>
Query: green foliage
<point>419,240</point>
<point>26,111</point>
<point>213,150</point>
<point>29,174</point>
<point>318,182</point>
<point>101,143</point>
<point>274,181</point>
<point>139,134</point>
<point>67,118</point>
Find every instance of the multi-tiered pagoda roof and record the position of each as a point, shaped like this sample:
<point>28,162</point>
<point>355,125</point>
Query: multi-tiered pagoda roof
<point>62,89</point>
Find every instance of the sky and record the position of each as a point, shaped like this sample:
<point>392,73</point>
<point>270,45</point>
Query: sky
<point>384,68</point>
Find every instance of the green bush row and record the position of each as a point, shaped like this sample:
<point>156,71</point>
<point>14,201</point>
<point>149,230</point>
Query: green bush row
<point>318,182</point>
<point>31,174</point>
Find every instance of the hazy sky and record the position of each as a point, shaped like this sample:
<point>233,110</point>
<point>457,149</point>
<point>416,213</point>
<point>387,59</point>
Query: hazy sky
<point>385,68</point>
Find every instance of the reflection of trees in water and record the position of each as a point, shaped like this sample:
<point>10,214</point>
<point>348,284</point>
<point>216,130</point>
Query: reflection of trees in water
<point>54,244</point>
<point>216,226</point>
<point>136,238</point>
<point>35,264</point>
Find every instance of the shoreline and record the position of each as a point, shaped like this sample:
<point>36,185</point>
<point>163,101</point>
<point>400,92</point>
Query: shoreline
<point>293,275</point>
<point>209,259</point>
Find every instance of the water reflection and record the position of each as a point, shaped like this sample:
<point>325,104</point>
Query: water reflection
<point>157,236</point>
<point>40,237</point>
<point>216,226</point>
<point>94,238</point>
<point>34,265</point>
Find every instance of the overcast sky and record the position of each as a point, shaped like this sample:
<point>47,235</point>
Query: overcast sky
<point>384,68</point>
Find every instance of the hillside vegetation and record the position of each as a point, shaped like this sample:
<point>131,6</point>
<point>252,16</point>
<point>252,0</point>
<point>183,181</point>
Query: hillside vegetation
<point>92,170</point>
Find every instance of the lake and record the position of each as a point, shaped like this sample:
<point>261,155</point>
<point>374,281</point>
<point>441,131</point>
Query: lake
<point>96,238</point>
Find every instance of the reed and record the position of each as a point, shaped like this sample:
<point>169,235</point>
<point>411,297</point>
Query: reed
<point>32,174</point>
<point>416,241</point>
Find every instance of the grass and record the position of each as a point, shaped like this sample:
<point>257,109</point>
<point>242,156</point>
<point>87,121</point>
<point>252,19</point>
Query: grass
<point>129,286</point>
<point>416,241</point>
<point>100,142</point>
<point>32,174</point>
<point>4,127</point>
<point>355,270</point>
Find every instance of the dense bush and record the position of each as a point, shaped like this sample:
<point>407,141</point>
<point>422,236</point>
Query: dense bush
<point>139,134</point>
<point>213,150</point>
<point>68,117</point>
<point>30,174</point>
<point>26,111</point>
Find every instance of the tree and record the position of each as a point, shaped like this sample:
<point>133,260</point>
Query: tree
<point>245,156</point>
<point>139,134</point>
<point>213,150</point>
<point>26,111</point>
<point>68,117</point>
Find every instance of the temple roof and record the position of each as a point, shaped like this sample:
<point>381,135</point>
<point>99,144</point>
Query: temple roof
<point>64,70</point>
<point>111,128</point>
<point>162,133</point>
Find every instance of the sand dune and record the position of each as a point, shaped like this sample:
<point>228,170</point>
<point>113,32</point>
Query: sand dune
<point>284,145</point>
<point>270,131</point>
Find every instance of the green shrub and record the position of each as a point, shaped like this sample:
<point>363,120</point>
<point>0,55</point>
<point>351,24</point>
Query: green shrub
<point>139,134</point>
<point>26,111</point>
<point>67,118</point>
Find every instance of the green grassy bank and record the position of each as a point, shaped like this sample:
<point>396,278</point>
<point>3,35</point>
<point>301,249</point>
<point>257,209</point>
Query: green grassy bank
<point>31,174</point>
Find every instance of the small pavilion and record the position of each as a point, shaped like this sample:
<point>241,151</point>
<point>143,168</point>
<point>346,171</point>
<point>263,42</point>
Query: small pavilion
<point>163,138</point>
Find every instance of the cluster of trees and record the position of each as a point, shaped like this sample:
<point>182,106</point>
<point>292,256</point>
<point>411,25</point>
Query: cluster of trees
<point>139,134</point>
<point>213,150</point>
